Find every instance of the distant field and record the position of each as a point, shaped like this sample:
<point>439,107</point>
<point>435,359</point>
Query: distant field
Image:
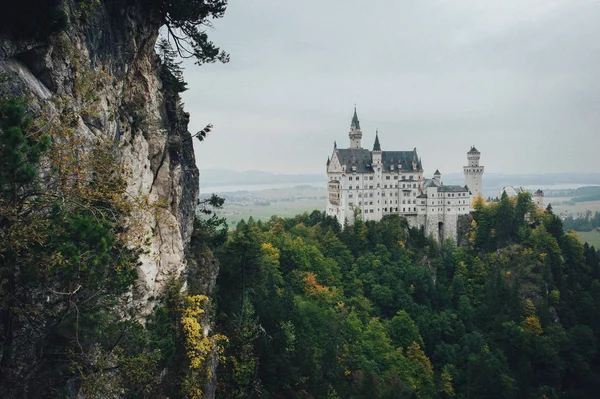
<point>591,237</point>
<point>576,209</point>
<point>234,214</point>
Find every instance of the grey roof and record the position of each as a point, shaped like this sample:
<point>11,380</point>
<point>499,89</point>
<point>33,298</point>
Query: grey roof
<point>376,146</point>
<point>359,157</point>
<point>362,159</point>
<point>452,189</point>
<point>473,149</point>
<point>355,121</point>
<point>423,195</point>
<point>430,183</point>
<point>437,172</point>
<point>402,158</point>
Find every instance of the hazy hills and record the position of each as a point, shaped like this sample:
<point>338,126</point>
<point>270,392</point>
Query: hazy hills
<point>226,177</point>
<point>492,182</point>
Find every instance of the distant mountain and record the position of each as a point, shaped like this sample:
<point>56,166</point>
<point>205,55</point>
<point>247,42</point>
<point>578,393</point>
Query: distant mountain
<point>227,177</point>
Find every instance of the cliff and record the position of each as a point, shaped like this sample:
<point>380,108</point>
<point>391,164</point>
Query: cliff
<point>105,60</point>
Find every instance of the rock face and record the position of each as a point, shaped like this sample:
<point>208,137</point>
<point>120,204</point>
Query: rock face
<point>106,60</point>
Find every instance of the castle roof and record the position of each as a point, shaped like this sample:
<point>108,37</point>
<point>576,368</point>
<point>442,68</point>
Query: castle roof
<point>362,159</point>
<point>473,149</point>
<point>355,123</point>
<point>452,189</point>
<point>376,146</point>
<point>437,173</point>
<point>430,183</point>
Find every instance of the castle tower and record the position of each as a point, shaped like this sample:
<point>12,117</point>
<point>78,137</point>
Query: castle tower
<point>376,154</point>
<point>473,172</point>
<point>538,198</point>
<point>437,176</point>
<point>355,133</point>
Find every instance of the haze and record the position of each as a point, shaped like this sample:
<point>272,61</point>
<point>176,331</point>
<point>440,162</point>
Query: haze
<point>516,78</point>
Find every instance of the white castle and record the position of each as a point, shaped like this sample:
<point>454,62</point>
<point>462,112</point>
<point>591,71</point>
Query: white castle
<point>372,184</point>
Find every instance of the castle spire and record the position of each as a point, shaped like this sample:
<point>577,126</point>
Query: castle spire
<point>355,133</point>
<point>376,146</point>
<point>355,123</point>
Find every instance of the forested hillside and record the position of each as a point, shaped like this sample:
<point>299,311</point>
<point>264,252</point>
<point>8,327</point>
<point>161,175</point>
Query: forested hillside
<point>378,310</point>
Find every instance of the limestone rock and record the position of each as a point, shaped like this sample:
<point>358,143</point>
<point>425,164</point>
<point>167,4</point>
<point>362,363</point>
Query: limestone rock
<point>106,60</point>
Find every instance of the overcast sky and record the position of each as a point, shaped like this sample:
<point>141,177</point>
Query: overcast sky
<point>519,79</point>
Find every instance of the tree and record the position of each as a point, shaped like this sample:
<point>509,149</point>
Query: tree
<point>184,20</point>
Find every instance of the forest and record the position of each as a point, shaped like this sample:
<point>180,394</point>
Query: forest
<point>378,310</point>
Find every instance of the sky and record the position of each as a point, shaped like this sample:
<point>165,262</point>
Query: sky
<point>519,79</point>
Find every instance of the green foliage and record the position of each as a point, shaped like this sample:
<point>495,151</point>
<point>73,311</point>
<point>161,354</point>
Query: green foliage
<point>171,72</point>
<point>378,311</point>
<point>184,20</point>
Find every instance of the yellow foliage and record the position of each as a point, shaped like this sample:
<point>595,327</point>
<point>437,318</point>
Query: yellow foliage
<point>270,251</point>
<point>478,200</point>
<point>415,354</point>
<point>532,325</point>
<point>197,343</point>
<point>313,287</point>
<point>445,385</point>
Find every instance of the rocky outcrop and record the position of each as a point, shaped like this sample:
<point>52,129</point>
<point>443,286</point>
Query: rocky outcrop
<point>105,60</point>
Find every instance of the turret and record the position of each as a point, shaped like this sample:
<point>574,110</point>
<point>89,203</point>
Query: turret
<point>473,172</point>
<point>437,177</point>
<point>538,198</point>
<point>473,156</point>
<point>355,133</point>
<point>376,154</point>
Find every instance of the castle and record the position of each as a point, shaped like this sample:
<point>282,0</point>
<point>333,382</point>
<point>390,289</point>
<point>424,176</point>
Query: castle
<point>372,184</point>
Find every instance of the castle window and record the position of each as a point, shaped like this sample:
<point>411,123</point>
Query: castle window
<point>415,185</point>
<point>403,177</point>
<point>387,178</point>
<point>395,177</point>
<point>359,202</point>
<point>350,178</point>
<point>370,177</point>
<point>371,211</point>
<point>357,178</point>
<point>404,186</point>
<point>359,195</point>
<point>403,209</point>
<point>351,203</point>
<point>370,202</point>
<point>349,195</point>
